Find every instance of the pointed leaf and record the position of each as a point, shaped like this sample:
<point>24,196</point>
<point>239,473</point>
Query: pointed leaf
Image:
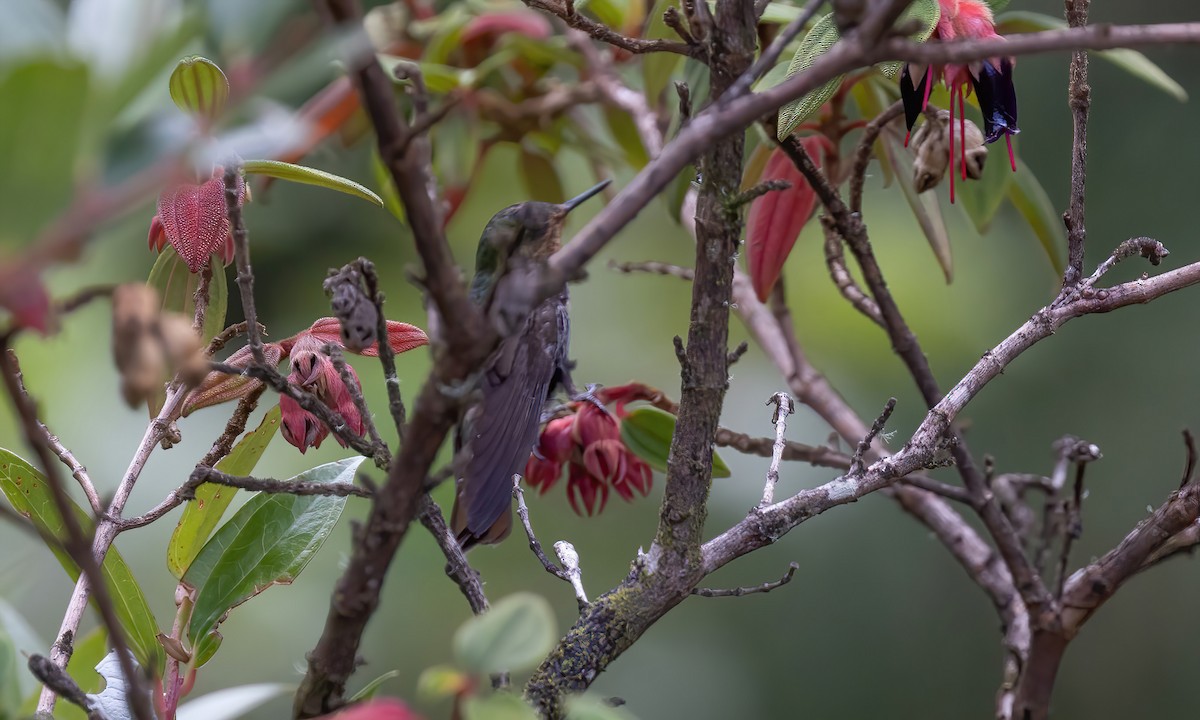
<point>29,494</point>
<point>368,691</point>
<point>514,635</point>
<point>201,516</point>
<point>925,206</point>
<point>231,703</point>
<point>309,176</point>
<point>268,541</point>
<point>540,178</point>
<point>776,218</point>
<point>42,111</point>
<point>824,35</point>
<point>499,705</point>
<point>199,87</point>
<point>647,432</point>
<point>89,651</point>
<point>981,198</point>
<point>1030,199</point>
<point>1131,61</point>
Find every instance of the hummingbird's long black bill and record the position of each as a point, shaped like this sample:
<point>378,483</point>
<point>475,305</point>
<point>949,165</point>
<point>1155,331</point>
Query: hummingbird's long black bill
<point>578,200</point>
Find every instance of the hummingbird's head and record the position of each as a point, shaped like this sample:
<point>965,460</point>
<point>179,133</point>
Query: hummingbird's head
<point>530,229</point>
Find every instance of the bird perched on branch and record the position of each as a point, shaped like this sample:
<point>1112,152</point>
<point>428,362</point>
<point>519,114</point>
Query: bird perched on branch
<point>500,430</point>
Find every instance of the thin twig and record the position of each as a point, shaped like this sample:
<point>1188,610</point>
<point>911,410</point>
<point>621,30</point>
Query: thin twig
<point>203,475</point>
<point>856,465</point>
<point>241,258</point>
<point>1079,97</point>
<point>534,545</point>
<point>740,591</point>
<point>784,406</point>
<point>457,567</point>
<point>387,357</point>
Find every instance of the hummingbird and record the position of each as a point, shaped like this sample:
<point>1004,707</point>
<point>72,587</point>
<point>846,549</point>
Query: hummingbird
<point>500,430</point>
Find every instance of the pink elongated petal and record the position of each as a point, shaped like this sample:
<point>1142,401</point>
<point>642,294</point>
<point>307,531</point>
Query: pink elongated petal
<point>300,427</point>
<point>157,238</point>
<point>593,424</point>
<point>586,494</point>
<point>493,25</point>
<point>776,218</point>
<point>337,396</point>
<point>542,474</point>
<point>555,443</point>
<point>377,709</point>
<point>401,336</point>
<point>24,295</point>
<point>605,460</point>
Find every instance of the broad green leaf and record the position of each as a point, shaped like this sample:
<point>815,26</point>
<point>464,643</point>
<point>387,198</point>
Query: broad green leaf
<point>514,635</point>
<point>657,68</point>
<point>926,14</point>
<point>309,176</point>
<point>177,285</point>
<point>201,516</point>
<point>980,199</point>
<point>872,100</point>
<point>1030,199</point>
<point>925,206</point>
<point>499,705</point>
<point>267,542</point>
<point>10,677</point>
<point>368,691</point>
<point>647,432</point>
<point>177,288</point>
<point>42,105</point>
<point>199,87</point>
<point>25,641</point>
<point>206,648</point>
<point>441,681</point>
<point>29,494</point>
<point>609,12</point>
<point>89,651</point>
<point>231,703</point>
<point>625,132</point>
<point>588,707</point>
<point>1131,61</point>
<point>824,35</point>
<point>456,143</point>
<point>540,177</point>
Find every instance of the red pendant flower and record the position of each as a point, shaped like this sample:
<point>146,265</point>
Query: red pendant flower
<point>193,219</point>
<point>990,79</point>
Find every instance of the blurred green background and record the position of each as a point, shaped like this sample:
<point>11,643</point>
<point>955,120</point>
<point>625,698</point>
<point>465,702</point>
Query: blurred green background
<point>879,621</point>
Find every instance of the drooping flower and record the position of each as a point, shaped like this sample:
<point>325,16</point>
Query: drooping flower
<point>588,442</point>
<point>990,79</point>
<point>193,219</point>
<point>309,368</point>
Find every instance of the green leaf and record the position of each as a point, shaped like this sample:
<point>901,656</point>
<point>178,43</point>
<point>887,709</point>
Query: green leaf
<point>925,206</point>
<point>368,691</point>
<point>10,678</point>
<point>625,132</point>
<point>824,35</point>
<point>515,634</point>
<point>872,99</point>
<point>1030,199</point>
<point>588,707</point>
<point>176,285</point>
<point>926,14</point>
<point>268,541</point>
<point>199,87</point>
<point>29,494</point>
<point>657,68</point>
<point>997,5</point>
<point>309,176</point>
<point>540,177</point>
<point>499,705</point>
<point>89,651</point>
<point>42,107</point>
<point>24,641</point>
<point>206,648</point>
<point>231,703</point>
<point>980,199</point>
<point>383,179</point>
<point>441,681</point>
<point>1131,61</point>
<point>647,432</point>
<point>201,516</point>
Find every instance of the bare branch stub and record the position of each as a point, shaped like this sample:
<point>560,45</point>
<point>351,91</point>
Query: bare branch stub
<point>784,406</point>
<point>856,464</point>
<point>741,591</point>
<point>1079,97</point>
<point>458,568</point>
<point>534,544</point>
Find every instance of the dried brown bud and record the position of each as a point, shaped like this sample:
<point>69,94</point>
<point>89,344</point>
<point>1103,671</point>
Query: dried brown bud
<point>935,155</point>
<point>184,348</point>
<point>355,311</point>
<point>136,351</point>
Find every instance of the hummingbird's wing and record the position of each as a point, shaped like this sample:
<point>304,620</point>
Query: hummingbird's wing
<point>502,429</point>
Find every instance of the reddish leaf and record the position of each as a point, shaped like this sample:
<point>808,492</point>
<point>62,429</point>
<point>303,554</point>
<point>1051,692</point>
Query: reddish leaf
<point>23,294</point>
<point>193,219</point>
<point>401,336</point>
<point>776,218</point>
<point>492,25</point>
<point>378,709</point>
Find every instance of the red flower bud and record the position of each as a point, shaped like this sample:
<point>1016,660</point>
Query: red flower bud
<point>193,219</point>
<point>585,489</point>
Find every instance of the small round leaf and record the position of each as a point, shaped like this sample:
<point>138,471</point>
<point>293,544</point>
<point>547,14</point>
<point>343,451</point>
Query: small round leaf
<point>515,634</point>
<point>199,87</point>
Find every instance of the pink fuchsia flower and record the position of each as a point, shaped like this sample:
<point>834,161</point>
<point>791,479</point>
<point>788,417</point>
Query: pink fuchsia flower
<point>193,219</point>
<point>990,79</point>
<point>588,442</point>
<point>309,368</point>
